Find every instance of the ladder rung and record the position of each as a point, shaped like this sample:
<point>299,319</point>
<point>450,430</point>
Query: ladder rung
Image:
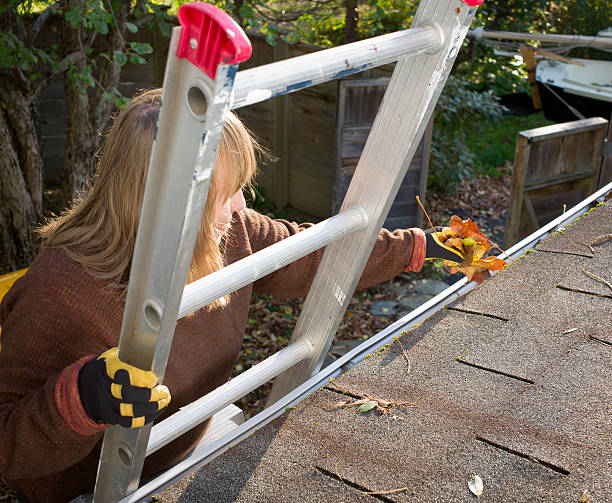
<point>203,408</point>
<point>267,81</point>
<point>249,269</point>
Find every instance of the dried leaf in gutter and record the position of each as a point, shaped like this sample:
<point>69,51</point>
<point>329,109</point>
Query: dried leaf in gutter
<point>476,485</point>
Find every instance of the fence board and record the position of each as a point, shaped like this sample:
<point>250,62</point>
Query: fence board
<point>553,166</point>
<point>301,131</point>
<point>605,176</point>
<point>358,102</point>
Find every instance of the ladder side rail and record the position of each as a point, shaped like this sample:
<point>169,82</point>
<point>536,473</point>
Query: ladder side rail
<point>289,75</point>
<point>402,118</point>
<point>249,269</point>
<point>188,132</point>
<point>203,408</point>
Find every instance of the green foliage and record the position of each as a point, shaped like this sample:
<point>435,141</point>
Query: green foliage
<point>487,72</point>
<point>493,143</point>
<point>481,146</point>
<point>91,16</point>
<point>15,53</point>
<point>386,16</point>
<point>457,113</point>
<point>501,74</point>
<point>21,49</point>
<point>255,199</point>
<point>325,27</point>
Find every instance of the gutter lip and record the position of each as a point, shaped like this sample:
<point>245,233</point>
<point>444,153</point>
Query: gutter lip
<point>351,358</point>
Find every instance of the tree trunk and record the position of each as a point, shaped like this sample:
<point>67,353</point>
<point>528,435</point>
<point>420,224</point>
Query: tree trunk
<point>20,182</point>
<point>81,140</point>
<point>87,115</point>
<point>351,18</point>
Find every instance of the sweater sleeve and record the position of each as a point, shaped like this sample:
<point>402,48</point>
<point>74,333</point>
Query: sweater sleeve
<point>43,428</point>
<point>393,252</point>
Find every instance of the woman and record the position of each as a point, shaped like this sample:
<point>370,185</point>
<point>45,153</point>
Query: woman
<point>61,386</point>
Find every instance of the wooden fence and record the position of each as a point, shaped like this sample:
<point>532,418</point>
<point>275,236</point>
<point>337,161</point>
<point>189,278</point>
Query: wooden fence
<point>303,131</point>
<point>554,166</point>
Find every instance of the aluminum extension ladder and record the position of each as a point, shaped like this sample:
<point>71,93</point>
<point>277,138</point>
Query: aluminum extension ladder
<point>201,84</point>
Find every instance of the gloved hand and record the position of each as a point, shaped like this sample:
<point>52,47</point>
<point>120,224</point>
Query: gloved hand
<point>117,393</point>
<point>435,249</point>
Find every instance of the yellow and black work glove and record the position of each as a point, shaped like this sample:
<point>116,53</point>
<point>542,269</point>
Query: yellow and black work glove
<point>117,393</point>
<point>436,250</point>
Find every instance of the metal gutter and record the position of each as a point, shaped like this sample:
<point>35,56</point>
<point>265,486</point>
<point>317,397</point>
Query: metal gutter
<point>350,359</point>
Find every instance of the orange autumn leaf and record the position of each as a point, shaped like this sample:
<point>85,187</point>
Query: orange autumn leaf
<point>467,229</point>
<point>463,236</point>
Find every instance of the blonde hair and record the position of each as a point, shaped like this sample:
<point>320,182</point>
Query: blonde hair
<point>99,230</point>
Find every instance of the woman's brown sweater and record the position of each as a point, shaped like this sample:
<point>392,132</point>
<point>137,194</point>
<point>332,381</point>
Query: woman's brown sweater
<point>57,317</point>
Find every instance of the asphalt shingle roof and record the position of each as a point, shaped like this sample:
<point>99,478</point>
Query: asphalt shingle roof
<point>512,382</point>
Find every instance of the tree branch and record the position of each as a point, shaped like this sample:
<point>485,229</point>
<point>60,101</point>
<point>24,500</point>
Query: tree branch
<point>294,16</point>
<point>119,32</point>
<point>110,74</point>
<point>42,19</point>
<point>67,60</point>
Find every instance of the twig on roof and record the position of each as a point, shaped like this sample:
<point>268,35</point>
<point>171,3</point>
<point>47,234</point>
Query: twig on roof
<point>338,473</point>
<point>396,338</point>
<point>344,388</point>
<point>382,406</point>
<point>601,239</point>
<point>390,491</point>
<point>588,245</point>
<point>598,278</point>
<point>597,241</point>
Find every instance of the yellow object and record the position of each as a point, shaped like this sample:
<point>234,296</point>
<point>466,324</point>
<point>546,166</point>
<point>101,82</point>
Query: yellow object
<point>6,282</point>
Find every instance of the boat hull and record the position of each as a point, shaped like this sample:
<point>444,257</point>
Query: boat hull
<point>586,87</point>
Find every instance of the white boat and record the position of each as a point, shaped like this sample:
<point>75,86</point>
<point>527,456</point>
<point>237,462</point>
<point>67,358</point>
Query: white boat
<point>568,90</point>
<point>593,79</point>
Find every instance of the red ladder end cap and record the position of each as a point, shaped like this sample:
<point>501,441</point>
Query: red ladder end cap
<point>211,37</point>
<point>473,3</point>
